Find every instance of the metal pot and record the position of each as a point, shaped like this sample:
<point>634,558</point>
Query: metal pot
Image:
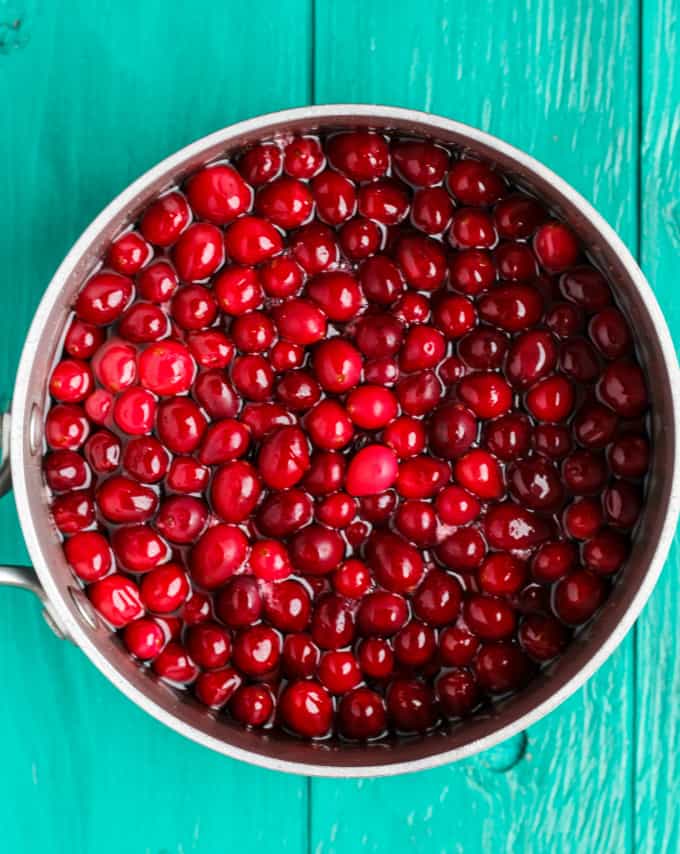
<point>68,610</point>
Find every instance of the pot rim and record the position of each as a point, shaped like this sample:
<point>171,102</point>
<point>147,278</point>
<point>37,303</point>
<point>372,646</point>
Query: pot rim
<point>19,427</point>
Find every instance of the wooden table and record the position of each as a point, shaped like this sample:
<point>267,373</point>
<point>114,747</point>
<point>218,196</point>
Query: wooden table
<point>94,94</point>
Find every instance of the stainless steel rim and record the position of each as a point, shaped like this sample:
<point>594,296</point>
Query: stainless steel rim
<point>19,428</point>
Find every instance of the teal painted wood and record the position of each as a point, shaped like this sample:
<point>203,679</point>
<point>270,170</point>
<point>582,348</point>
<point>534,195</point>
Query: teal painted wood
<point>559,80</point>
<point>658,672</point>
<point>96,95</point>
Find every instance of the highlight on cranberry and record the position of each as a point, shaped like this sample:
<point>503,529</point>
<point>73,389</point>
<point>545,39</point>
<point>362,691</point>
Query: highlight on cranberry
<point>348,436</point>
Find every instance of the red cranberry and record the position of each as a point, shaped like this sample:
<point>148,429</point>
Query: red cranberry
<point>542,636</point>
<point>235,491</point>
<point>82,339</point>
<point>372,470</point>
<point>486,394</point>
<point>339,672</point>
<point>463,550</point>
<point>209,645</point>
<point>417,521</point>
<point>508,527</point>
<point>144,638</point>
<point>609,332</point>
<point>457,646</point>
<point>175,665</point>
<point>316,550</point>
<point>336,511</point>
<point>382,613</point>
<point>535,483</point>
<point>165,219</point>
<point>405,436</point>
<point>458,693</point>
<point>283,513</point>
<point>315,248</point>
<point>117,599</point>
<point>337,365</point>
<point>284,356</point>
<point>578,596</point>
<point>352,579</point>
<point>66,470</point>
<point>104,298</point>
<point>139,548</point>
<point>553,560</point>
<point>422,261</point>
<point>414,645</point>
<point>472,229</point>
<point>300,321</point>
<point>437,600</point>
<point>455,506</point>
<point>509,436</point>
<point>332,623</point>
<point>303,157</point>
<point>419,393</point>
<point>337,293</point>
<point>584,472</point>
<point>360,238</point>
<point>432,209</point>
<point>238,604</point>
<point>360,155</point>
<point>306,708</point>
<point>300,656</point>
<point>182,518</point>
<point>583,518</point>
<point>622,387</point>
<point>361,715</point>
<point>115,365</point>
<point>420,163</point>
<point>157,282</point>
<point>622,504</point>
<point>551,399</point>
<point>474,183</point>
<point>501,574</point>
<point>73,511</point>
<point>410,706</point>
<point>122,500</point>
<point>260,164</point>
<point>594,425</point>
<point>252,376</point>
<point>218,193</point>
<point>489,618</point>
<point>606,552</point>
<point>298,390</point>
<point>471,271</point>
<point>215,689</point>
<point>256,651</point>
<point>479,473</point>
<point>586,287</point>
<point>128,253</point>
<point>515,261</point>
<point>286,202</point>
<point>383,201</point>
<point>186,475</point>
<point>71,381</point>
<point>329,426</point>
<point>180,424</point>
<point>143,323</point>
<point>421,477</point>
<point>103,452</point>
<point>629,456</point>
<point>483,349</point>
<point>145,459</point>
<point>166,368</point>
<point>501,667</point>
<point>198,608</point>
<point>517,217</point>
<point>531,357</point>
<point>512,307</point>
<point>326,473</point>
<point>88,555</point>
<point>252,705</point>
<point>556,247</point>
<point>165,588</point>
<point>199,252</point>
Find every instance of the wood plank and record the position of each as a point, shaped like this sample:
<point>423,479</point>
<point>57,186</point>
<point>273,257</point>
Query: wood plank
<point>93,96</point>
<point>658,670</point>
<point>559,80</point>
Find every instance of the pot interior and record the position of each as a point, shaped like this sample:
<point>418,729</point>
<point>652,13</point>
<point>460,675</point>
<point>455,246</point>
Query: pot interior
<point>274,749</point>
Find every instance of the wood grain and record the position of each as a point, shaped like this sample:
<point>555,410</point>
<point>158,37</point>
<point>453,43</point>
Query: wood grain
<point>96,95</point>
<point>560,81</point>
<point>657,778</point>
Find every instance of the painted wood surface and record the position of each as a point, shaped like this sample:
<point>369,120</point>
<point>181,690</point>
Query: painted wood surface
<point>91,97</point>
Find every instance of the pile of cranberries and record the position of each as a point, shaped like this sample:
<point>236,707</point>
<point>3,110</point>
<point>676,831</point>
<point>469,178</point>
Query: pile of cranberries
<point>347,435</point>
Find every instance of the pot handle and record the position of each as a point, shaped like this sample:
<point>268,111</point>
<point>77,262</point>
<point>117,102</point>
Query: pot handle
<point>23,577</point>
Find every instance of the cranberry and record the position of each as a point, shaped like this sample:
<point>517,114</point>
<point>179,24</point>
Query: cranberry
<point>378,508</point>
<point>82,339</point>
<point>431,210</point>
<point>474,183</point>
<point>73,512</point>
<point>326,473</point>
<point>303,157</point>
<point>551,399</point>
<point>104,298</point>
<point>71,381</point>
<point>472,229</point>
<point>458,693</point>
<point>417,521</point>
<point>193,307</point>
<point>463,550</point>
<point>143,322</point>
<point>139,548</point>
<point>352,579</point>
<point>337,510</point>
<point>157,282</point>
<point>66,470</point>
<point>471,271</point>
<point>256,651</point>
<point>455,506</point>
<point>419,393</point>
<point>594,425</point>
<point>144,638</point>
<point>298,390</point>
<point>578,596</point>
<point>329,425</point>
<point>88,555</point>
<point>405,436</point>
<point>383,201</point>
<point>372,470</point>
<point>337,293</point>
<point>535,483</point>
<point>316,550</point>
<point>622,504</point>
<point>421,477</point>
<point>454,316</point>
<point>542,636</point>
<point>509,436</point>
<point>517,217</point>
<point>180,424</point>
<point>457,646</point>
<point>622,387</point>
<point>586,287</point>
<point>553,560</point>
<point>382,613</point>
<point>182,518</point>
<point>252,376</point>
<point>410,706</point>
<point>238,604</point>
<point>128,253</point>
<point>315,248</point>
<point>479,473</point>
<point>606,552</point>
<point>164,589</point>
<point>452,430</point>
<point>145,459</point>
<point>437,600</point>
<point>629,456</point>
<point>486,394</point>
<point>103,452</point>
<point>584,472</point>
<point>509,527</point>
<point>166,368</point>
<point>235,491</point>
<point>360,238</point>
<point>175,665</point>
<point>556,247</point>
<point>361,715</point>
<point>216,688</point>
<point>583,518</point>
<point>513,307</point>
<point>337,365</point>
<point>252,705</point>
<point>483,349</point>
<point>187,475</point>
<point>422,261</point>
<point>306,708</point>
<point>199,252</point>
<point>117,599</point>
<point>115,365</point>
<point>197,609</point>
<point>531,357</point>
<point>218,193</point>
<point>122,500</point>
<point>501,667</point>
<point>165,219</point>
<point>260,164</point>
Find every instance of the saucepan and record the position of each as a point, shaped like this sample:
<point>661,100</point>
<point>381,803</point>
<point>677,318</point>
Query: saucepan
<point>69,612</point>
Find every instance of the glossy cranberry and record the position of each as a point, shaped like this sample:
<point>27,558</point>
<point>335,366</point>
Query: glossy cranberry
<point>463,550</point>
<point>361,715</point>
<point>115,365</point>
<point>372,470</point>
<point>104,298</point>
<point>252,376</point>
<point>303,157</point>
<point>306,708</point>
<point>551,399</point>
<point>437,600</point>
<point>337,293</point>
<point>606,552</point>
<point>405,436</point>
<point>542,636</point>
<point>532,356</point>
<point>187,475</point>
<point>518,216</point>
<point>134,411</point>
<point>629,456</point>
<point>71,381</point>
<point>252,705</point>
<point>360,238</point>
<point>586,287</point>
<point>256,651</point>
<point>316,550</point>
<point>414,645</point>
<point>122,500</point>
<point>209,645</point>
<point>622,504</point>
<point>472,229</point>
<point>103,452</point>
<point>501,575</point>
<point>457,646</point>
<point>419,393</point>
<point>145,459</point>
<point>235,491</point>
<point>238,604</point>
<point>410,706</point>
<point>339,672</point>
<point>352,579</point>
<point>82,339</point>
<point>471,271</point>
<point>584,472</point>
<point>486,394</point>
<point>336,511</point>
<point>455,506</point>
<point>216,688</point>
<point>422,261</point>
<point>381,280</point>
<point>509,436</point>
<point>623,388</point>
<point>416,520</point>
<point>516,262</point>
<point>479,473</point>
<point>199,252</point>
<point>578,596</point>
<point>89,555</point>
<point>556,246</point>
<point>423,347</point>
<point>164,589</point>
<point>594,425</point>
<point>315,248</point>
<point>583,518</point>
<point>260,164</point>
<point>285,356</point>
<point>198,608</point>
<point>326,473</point>
<point>180,424</point>
<point>535,483</point>
<point>501,667</point>
<point>609,332</point>
<point>218,193</point>
<point>483,348</point>
<point>175,665</point>
<point>488,617</point>
<point>508,527</point>
<point>182,518</point>
<point>157,282</point>
<point>431,210</point>
<point>128,253</point>
<point>139,548</point>
<point>564,320</point>
<point>143,322</point>
<point>360,155</point>
<point>144,638</point>
<point>286,202</point>
<point>384,201</point>
<point>300,656</point>
<point>382,613</point>
<point>553,560</point>
<point>298,390</point>
<point>513,307</point>
<point>165,219</point>
<point>422,164</point>
<point>193,307</point>
<point>166,368</point>
<point>474,183</point>
<point>117,599</point>
<point>332,622</point>
<point>66,470</point>
<point>458,693</point>
<point>337,365</point>
<point>73,512</point>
